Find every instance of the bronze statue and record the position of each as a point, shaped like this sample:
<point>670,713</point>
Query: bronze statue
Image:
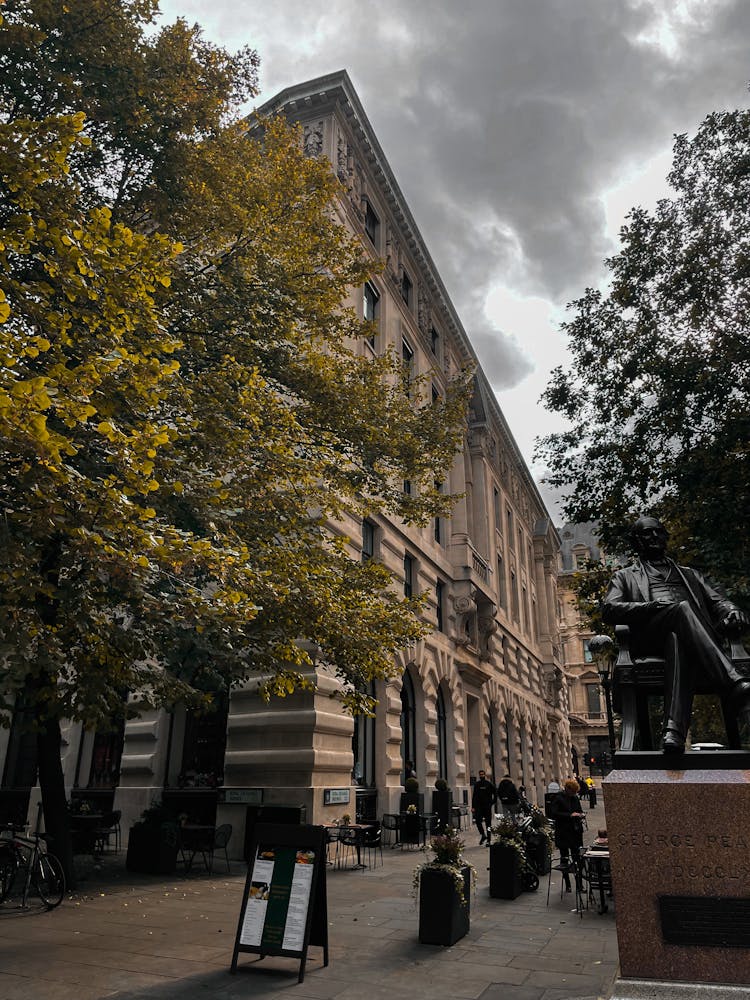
<point>660,600</point>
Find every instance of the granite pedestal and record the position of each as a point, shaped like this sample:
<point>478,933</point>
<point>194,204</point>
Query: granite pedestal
<point>680,857</point>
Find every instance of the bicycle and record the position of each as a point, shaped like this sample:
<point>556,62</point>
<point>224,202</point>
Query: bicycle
<point>26,853</point>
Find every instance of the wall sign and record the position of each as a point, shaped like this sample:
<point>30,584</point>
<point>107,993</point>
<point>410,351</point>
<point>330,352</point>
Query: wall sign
<point>336,796</point>
<point>241,796</point>
<point>284,906</point>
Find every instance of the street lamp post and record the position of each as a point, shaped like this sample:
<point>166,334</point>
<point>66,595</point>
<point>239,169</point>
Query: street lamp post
<point>602,649</point>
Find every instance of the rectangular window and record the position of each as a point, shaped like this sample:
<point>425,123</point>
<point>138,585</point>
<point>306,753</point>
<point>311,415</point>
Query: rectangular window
<point>509,519</point>
<point>371,301</point>
<point>435,341</point>
<point>498,510</point>
<point>407,487</point>
<point>593,702</point>
<point>502,597</point>
<point>408,576</point>
<point>372,224</point>
<point>371,308</point>
<point>588,656</point>
<point>407,358</point>
<point>439,598</point>
<point>521,550</point>
<point>406,288</point>
<point>368,540</point>
<point>514,595</point>
<point>525,609</point>
<point>534,618</point>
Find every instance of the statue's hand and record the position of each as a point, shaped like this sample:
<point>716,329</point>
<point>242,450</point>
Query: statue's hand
<point>734,619</point>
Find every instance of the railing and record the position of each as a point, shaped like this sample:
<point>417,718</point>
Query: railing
<point>480,567</point>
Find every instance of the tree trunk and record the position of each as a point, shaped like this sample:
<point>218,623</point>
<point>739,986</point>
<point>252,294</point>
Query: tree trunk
<point>52,784</point>
<point>48,740</point>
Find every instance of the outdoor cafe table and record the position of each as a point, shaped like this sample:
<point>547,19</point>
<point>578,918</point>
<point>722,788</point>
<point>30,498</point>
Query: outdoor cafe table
<point>85,828</point>
<point>195,838</point>
<point>423,822</point>
<point>358,829</point>
<point>595,860</point>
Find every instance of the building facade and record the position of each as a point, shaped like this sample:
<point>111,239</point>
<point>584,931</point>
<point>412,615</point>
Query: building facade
<point>588,716</point>
<point>486,690</point>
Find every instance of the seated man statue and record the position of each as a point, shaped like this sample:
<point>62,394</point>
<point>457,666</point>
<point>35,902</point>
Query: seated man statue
<point>671,607</point>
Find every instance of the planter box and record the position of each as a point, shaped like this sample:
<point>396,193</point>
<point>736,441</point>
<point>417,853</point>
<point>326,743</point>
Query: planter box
<point>152,850</point>
<point>538,855</point>
<point>411,830</point>
<point>505,872</point>
<point>443,918</point>
<point>442,804</point>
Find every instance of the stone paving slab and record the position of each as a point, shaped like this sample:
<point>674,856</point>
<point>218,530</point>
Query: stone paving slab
<point>172,939</point>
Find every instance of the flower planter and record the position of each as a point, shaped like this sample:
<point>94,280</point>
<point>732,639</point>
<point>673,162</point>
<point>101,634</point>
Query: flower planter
<point>505,872</point>
<point>538,852</point>
<point>442,803</point>
<point>411,829</point>
<point>443,918</point>
<point>152,850</point>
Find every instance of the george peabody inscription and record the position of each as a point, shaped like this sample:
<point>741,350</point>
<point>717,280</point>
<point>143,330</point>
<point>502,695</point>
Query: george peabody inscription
<point>694,841</point>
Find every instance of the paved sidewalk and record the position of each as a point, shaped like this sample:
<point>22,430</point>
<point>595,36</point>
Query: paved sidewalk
<point>168,939</point>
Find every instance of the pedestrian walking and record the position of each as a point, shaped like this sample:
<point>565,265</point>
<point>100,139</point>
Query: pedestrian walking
<point>482,806</point>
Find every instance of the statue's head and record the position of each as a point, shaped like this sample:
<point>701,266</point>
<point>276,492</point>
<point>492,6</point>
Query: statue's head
<point>649,537</point>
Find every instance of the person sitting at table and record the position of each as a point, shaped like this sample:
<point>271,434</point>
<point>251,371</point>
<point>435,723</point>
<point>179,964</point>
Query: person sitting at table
<point>602,841</point>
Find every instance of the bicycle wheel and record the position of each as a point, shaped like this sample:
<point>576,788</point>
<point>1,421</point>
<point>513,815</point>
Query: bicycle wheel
<point>8,868</point>
<point>50,880</point>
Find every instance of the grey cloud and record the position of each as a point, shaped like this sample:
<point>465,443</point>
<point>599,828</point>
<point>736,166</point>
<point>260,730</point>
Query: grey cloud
<point>505,120</point>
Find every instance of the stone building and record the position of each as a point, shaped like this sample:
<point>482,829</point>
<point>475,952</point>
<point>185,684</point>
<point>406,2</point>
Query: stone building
<point>588,718</point>
<point>486,689</point>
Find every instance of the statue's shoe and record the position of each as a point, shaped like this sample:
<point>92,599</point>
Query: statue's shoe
<point>673,742</point>
<point>741,695</point>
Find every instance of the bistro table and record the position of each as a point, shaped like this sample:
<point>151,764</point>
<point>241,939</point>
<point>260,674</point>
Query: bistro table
<point>195,838</point>
<point>357,840</point>
<point>602,877</point>
<point>409,823</point>
<point>84,828</point>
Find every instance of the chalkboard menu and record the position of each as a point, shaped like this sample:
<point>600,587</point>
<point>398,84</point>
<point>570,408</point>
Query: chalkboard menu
<point>284,906</point>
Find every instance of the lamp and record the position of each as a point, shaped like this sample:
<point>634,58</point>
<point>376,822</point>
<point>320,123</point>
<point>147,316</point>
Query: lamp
<point>602,649</point>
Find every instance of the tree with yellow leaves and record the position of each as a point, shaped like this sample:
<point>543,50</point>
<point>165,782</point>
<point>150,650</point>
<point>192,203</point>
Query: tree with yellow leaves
<point>182,405</point>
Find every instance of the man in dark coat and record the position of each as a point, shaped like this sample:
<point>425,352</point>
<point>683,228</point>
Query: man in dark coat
<point>565,809</point>
<point>674,612</point>
<point>508,796</point>
<point>482,806</point>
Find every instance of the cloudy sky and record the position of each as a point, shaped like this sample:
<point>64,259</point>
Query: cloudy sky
<point>520,131</point>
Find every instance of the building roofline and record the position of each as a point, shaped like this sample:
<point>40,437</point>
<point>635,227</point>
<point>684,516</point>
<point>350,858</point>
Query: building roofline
<point>337,88</point>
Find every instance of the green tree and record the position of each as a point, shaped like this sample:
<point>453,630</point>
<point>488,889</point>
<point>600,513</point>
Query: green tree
<point>183,405</point>
<point>657,394</point>
<point>589,585</point>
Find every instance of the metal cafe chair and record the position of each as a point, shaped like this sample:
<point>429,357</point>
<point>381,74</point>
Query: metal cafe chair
<point>574,873</point>
<point>220,841</point>
<point>372,842</point>
<point>391,825</point>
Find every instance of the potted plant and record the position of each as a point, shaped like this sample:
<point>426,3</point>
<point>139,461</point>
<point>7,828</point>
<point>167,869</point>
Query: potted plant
<point>539,844</point>
<point>412,807</point>
<point>153,842</point>
<point>442,803</point>
<point>506,860</point>
<point>443,887</point>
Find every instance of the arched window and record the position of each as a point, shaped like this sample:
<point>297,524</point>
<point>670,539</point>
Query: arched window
<point>408,721</point>
<point>442,737</point>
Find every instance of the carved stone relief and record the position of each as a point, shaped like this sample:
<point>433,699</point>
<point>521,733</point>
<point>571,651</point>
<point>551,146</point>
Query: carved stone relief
<point>313,139</point>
